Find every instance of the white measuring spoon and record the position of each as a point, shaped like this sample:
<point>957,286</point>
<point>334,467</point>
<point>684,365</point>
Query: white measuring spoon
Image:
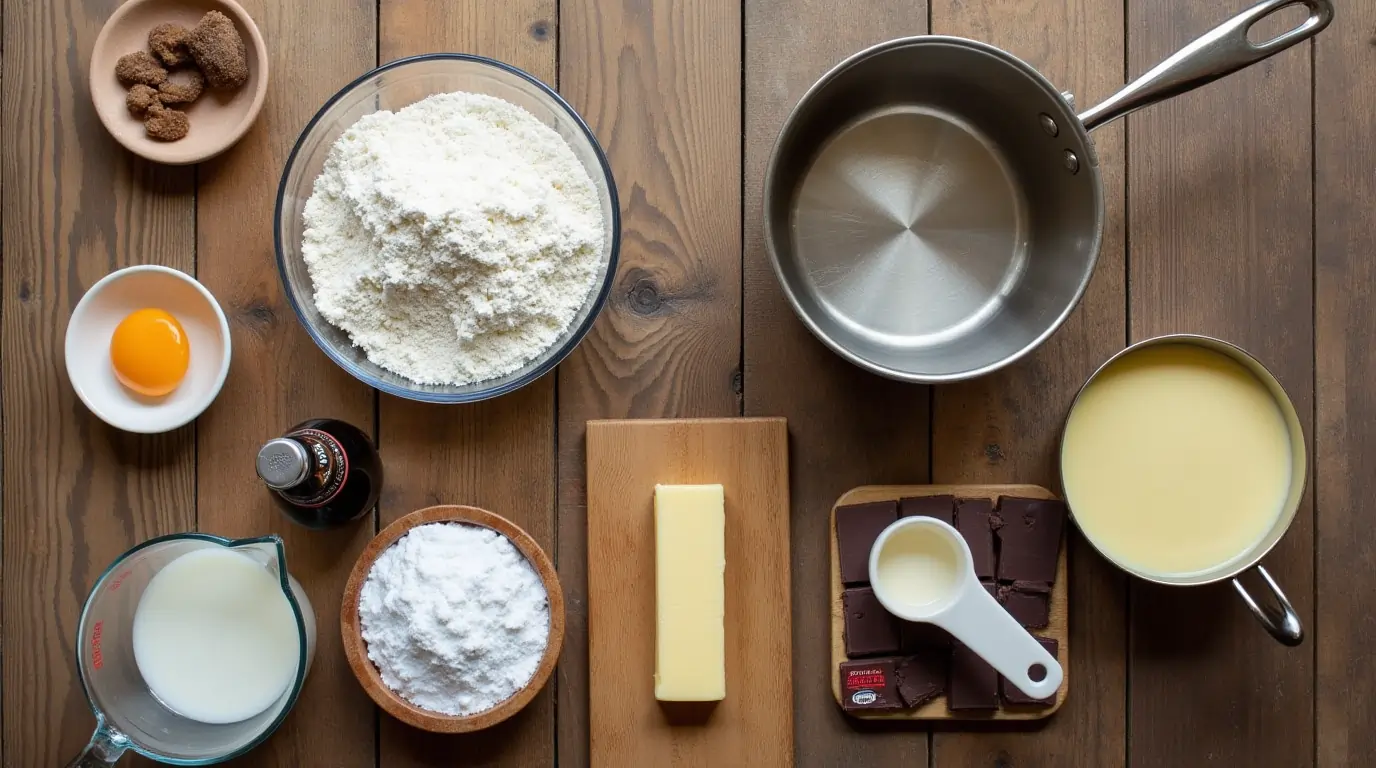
<point>921,570</point>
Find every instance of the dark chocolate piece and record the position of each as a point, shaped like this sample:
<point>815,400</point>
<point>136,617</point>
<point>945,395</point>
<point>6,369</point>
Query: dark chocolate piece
<point>857,526</point>
<point>992,587</point>
<point>942,508</point>
<point>1030,539</point>
<point>869,684</point>
<point>869,629</point>
<point>973,522</point>
<point>1010,692</point>
<point>1031,609</point>
<point>974,684</point>
<point>918,635</point>
<point>921,678</point>
<point>1032,586</point>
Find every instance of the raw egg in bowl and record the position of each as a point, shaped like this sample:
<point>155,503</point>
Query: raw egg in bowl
<point>147,349</point>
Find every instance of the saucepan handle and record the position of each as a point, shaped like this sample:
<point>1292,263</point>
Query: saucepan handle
<point>1277,616</point>
<point>1220,52</point>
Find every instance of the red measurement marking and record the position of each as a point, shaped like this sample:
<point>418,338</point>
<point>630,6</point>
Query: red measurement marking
<point>120,580</point>
<point>97,659</point>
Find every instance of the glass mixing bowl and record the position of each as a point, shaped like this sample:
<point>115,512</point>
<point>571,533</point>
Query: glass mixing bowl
<point>393,86</point>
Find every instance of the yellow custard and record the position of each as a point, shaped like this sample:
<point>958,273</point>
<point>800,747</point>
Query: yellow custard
<point>1176,460</point>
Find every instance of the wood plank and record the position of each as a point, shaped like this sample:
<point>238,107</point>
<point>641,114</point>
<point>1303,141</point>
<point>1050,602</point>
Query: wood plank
<point>278,377</point>
<point>76,493</point>
<point>659,83</point>
<point>1058,617</point>
<point>1220,238</point>
<point>1005,427</point>
<point>1345,443</point>
<point>848,427</point>
<point>498,454</point>
<point>752,726</point>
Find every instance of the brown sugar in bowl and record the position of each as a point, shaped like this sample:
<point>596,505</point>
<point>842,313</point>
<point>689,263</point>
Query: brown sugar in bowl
<point>356,650</point>
<point>218,118</point>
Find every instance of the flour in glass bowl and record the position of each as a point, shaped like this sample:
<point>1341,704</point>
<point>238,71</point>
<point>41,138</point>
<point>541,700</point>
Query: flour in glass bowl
<point>455,618</point>
<point>454,240</point>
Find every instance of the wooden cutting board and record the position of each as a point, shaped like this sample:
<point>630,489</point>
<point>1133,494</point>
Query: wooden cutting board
<point>754,724</point>
<point>1058,626</point>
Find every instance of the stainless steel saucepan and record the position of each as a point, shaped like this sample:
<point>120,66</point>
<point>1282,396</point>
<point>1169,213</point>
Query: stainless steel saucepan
<point>933,205</point>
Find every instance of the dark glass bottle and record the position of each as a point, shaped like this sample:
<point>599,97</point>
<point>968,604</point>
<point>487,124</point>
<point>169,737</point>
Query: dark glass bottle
<point>324,472</point>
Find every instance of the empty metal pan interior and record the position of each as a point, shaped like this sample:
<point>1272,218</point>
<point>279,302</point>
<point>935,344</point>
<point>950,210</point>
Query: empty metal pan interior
<point>933,209</point>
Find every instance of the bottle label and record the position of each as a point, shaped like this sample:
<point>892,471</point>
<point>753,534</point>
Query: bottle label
<point>329,467</point>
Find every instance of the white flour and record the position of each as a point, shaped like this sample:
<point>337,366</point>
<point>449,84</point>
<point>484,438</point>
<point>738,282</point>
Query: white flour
<point>455,618</point>
<point>453,240</point>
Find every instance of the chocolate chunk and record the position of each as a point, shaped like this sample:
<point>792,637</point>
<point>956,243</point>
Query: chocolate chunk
<point>921,678</point>
<point>1010,692</point>
<point>1031,609</point>
<point>942,508</point>
<point>857,526</point>
<point>973,522</point>
<point>869,629</point>
<point>974,684</point>
<point>869,684</point>
<point>1030,539</point>
<point>917,635</point>
<point>992,588</point>
<point>1032,586</point>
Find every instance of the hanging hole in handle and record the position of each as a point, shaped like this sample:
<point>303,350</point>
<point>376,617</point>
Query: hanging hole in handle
<point>1281,23</point>
<point>1036,673</point>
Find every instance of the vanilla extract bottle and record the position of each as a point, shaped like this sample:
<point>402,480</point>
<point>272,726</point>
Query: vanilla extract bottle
<point>324,473</point>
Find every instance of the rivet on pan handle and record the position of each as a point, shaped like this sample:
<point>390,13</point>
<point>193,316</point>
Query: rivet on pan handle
<point>1220,52</point>
<point>1278,616</point>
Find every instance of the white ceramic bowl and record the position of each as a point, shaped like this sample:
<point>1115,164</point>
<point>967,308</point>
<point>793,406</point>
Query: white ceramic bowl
<point>88,348</point>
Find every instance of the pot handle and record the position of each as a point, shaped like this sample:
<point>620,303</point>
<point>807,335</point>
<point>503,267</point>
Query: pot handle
<point>1279,618</point>
<point>1220,52</point>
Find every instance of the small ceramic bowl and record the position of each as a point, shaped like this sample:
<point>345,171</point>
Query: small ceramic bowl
<point>88,348</point>
<point>356,649</point>
<point>218,119</point>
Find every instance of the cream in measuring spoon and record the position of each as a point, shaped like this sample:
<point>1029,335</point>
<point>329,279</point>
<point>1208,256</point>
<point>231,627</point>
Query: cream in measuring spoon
<point>215,638</point>
<point>1176,460</point>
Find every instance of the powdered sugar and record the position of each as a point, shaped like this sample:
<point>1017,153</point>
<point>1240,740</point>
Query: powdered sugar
<point>453,240</point>
<point>456,620</point>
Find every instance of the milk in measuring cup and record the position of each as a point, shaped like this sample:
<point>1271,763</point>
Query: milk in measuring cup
<point>214,636</point>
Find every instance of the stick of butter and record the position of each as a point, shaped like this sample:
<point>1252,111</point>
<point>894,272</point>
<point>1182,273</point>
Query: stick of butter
<point>690,593</point>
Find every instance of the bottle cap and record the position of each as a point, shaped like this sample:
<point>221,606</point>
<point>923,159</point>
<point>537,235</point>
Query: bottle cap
<point>283,463</point>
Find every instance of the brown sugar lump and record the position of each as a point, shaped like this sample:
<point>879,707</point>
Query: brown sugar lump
<point>165,123</point>
<point>219,51</point>
<point>140,98</point>
<point>140,68</point>
<point>168,43</point>
<point>182,86</point>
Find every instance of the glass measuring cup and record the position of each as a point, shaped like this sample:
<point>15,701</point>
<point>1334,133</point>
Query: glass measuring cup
<point>128,714</point>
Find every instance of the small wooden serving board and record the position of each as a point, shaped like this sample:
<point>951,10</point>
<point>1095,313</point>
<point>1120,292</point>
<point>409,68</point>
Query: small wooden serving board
<point>1058,628</point>
<point>753,725</point>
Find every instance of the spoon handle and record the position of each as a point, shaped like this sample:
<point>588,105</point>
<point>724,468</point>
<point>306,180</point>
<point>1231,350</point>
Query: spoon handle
<point>977,620</point>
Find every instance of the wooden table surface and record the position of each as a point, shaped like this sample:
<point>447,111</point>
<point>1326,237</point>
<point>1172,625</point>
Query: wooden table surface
<point>1246,211</point>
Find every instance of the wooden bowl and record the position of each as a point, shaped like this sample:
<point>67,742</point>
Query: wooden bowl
<point>357,650</point>
<point>218,119</point>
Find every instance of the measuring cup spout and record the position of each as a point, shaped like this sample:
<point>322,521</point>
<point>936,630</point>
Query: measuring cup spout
<point>104,750</point>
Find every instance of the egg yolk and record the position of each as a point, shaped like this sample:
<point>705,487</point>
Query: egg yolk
<point>150,352</point>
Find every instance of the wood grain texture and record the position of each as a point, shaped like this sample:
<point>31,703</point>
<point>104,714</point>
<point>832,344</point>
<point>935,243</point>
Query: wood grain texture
<point>498,454</point>
<point>659,82</point>
<point>1221,245</point>
<point>1005,427</point>
<point>847,426</point>
<point>1345,441</point>
<point>76,493</point>
<point>749,458</point>
<point>1057,628</point>
<point>278,376</point>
